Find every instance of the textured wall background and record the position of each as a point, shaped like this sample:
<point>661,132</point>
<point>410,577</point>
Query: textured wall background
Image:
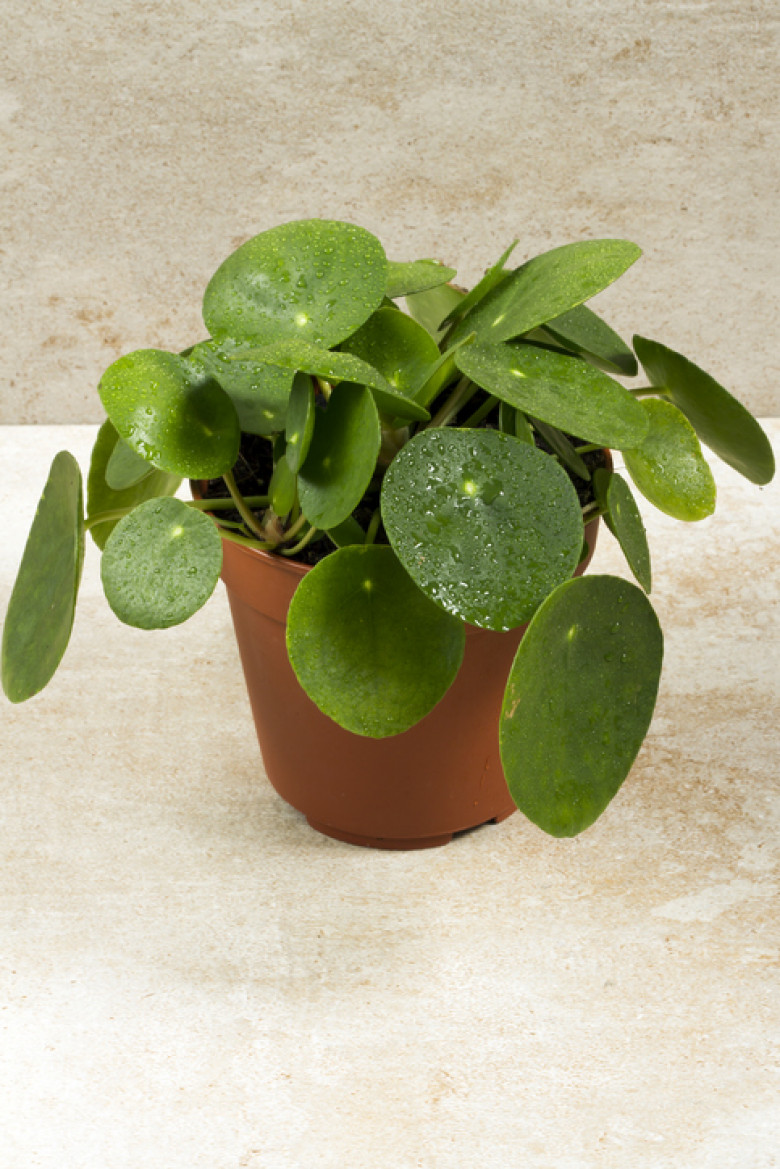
<point>141,146</point>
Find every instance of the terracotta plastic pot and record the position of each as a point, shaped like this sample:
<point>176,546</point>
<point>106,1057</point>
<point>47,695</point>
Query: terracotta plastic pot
<point>414,790</point>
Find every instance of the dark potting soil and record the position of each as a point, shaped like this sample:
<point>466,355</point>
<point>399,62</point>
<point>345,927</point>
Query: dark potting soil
<point>254,467</point>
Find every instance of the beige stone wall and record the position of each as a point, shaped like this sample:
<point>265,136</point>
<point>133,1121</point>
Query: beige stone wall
<point>141,145</point>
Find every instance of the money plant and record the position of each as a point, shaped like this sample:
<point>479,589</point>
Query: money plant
<point>436,455</point>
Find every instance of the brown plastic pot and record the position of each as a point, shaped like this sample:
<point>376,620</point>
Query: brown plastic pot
<point>414,790</point>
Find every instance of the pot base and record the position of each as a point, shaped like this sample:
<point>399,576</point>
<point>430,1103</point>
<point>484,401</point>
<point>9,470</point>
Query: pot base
<point>404,843</point>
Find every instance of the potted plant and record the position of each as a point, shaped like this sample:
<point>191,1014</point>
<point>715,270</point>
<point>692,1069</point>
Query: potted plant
<point>389,494</point>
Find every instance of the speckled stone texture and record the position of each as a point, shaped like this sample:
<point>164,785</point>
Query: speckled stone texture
<point>191,978</point>
<point>142,143</point>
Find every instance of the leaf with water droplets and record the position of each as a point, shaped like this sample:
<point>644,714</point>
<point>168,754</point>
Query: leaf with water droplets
<point>125,468</point>
<point>368,647</point>
<point>104,499</point>
<point>430,309</point>
<point>579,701</point>
<point>720,421</point>
<point>259,392</point>
<point>625,522</point>
<point>300,422</point>
<point>40,613</point>
<point>404,279</point>
<point>342,457</point>
<point>313,279</point>
<point>484,524</point>
<point>546,287</point>
<point>559,389</point>
<point>669,468</point>
<point>161,564</point>
<point>171,416</point>
<point>300,355</point>
<point>493,276</point>
<point>403,351</point>
<point>582,331</point>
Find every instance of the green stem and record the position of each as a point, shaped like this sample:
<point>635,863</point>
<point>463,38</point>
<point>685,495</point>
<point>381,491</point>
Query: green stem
<point>241,506</point>
<point>373,526</point>
<point>587,447</point>
<point>483,411</point>
<point>464,390</point>
<point>226,504</point>
<point>648,391</point>
<point>235,538</point>
<point>294,529</point>
<point>592,510</point>
<point>301,543</point>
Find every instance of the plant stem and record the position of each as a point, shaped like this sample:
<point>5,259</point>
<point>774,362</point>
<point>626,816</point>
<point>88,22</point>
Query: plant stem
<point>587,447</point>
<point>294,529</point>
<point>301,543</point>
<point>227,504</point>
<point>483,411</point>
<point>464,390</point>
<point>648,391</point>
<point>235,538</point>
<point>241,506</point>
<point>373,526</point>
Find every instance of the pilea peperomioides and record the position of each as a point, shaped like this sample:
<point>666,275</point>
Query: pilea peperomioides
<point>427,461</point>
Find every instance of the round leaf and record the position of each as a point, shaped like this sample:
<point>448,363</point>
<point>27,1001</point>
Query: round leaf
<point>624,521</point>
<point>579,701</point>
<point>300,355</point>
<point>40,613</point>
<point>404,279</point>
<point>342,457</point>
<point>403,351</point>
<point>104,499</point>
<point>547,286</point>
<point>369,649</point>
<point>557,388</point>
<point>259,392</point>
<point>720,421</point>
<point>125,468</point>
<point>669,468</point>
<point>430,309</point>
<point>161,564</point>
<point>486,525</point>
<point>585,333</point>
<point>313,279</point>
<point>300,421</point>
<point>180,422</point>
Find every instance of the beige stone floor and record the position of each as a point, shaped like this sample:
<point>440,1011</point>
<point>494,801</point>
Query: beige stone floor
<point>191,978</point>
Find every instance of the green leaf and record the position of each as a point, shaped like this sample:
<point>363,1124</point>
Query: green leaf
<point>342,457</point>
<point>300,421</point>
<point>347,532</point>
<point>493,276</point>
<point>586,334</point>
<point>625,522</point>
<point>369,649</point>
<point>125,468</point>
<point>181,422</point>
<point>484,524</point>
<point>546,287</point>
<point>315,280</point>
<point>579,701</point>
<point>40,613</point>
<point>300,355</point>
<point>416,276</point>
<point>259,392</point>
<point>161,564</point>
<point>720,421</point>
<point>102,498</point>
<point>431,308</point>
<point>403,351</point>
<point>557,388</point>
<point>669,468</point>
<point>561,446</point>
<point>514,422</point>
<point>283,487</point>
